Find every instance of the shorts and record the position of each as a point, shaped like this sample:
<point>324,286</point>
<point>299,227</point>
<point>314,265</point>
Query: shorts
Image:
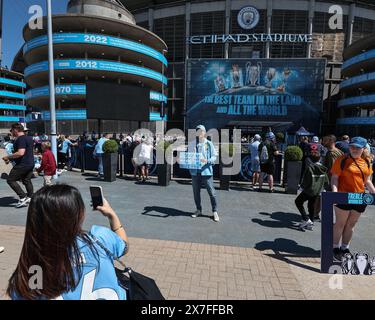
<point>255,165</point>
<point>146,165</point>
<point>349,207</point>
<point>268,168</point>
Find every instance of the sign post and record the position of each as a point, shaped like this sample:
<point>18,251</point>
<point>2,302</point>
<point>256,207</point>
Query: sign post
<point>328,200</point>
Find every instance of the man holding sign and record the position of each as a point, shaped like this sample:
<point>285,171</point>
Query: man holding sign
<point>202,172</point>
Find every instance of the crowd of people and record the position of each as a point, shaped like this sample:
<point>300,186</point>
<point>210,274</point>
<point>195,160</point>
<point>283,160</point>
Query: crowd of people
<point>72,258</point>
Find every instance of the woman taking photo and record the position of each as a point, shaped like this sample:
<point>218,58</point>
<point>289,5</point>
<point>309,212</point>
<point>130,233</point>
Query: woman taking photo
<point>352,174</point>
<point>72,263</point>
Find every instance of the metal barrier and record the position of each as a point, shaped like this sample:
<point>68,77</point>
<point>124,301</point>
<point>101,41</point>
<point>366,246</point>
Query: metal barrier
<point>328,200</point>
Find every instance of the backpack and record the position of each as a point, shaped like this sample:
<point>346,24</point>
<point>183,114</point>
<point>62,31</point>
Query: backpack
<point>264,156</point>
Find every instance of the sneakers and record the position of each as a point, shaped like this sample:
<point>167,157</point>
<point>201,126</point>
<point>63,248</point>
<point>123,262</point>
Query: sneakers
<point>345,251</point>
<point>23,202</point>
<point>2,249</point>
<point>337,254</point>
<point>306,225</point>
<point>216,217</point>
<point>196,214</point>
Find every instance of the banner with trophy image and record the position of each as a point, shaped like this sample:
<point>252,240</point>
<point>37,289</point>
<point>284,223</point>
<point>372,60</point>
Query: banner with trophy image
<point>219,91</point>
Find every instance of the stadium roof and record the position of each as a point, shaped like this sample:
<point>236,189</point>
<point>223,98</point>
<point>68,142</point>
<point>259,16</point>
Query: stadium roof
<point>133,5</point>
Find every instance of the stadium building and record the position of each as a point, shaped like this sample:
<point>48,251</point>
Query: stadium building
<point>357,104</point>
<point>12,99</point>
<point>97,40</point>
<point>187,28</point>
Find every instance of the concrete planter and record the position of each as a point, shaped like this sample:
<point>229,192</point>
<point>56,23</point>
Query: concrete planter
<point>110,161</point>
<point>293,174</point>
<point>164,174</point>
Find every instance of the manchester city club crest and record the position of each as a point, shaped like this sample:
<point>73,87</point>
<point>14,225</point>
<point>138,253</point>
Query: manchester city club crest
<point>248,17</point>
<point>368,199</point>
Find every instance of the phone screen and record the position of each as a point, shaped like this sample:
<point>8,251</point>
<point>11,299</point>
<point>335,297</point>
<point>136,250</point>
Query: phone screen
<point>96,196</point>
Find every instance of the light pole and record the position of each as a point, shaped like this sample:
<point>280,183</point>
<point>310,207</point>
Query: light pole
<point>51,82</point>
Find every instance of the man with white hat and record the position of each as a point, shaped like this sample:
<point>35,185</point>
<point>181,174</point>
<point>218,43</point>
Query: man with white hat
<point>204,175</point>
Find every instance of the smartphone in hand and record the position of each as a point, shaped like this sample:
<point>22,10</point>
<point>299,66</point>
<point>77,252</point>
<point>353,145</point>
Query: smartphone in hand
<point>96,196</point>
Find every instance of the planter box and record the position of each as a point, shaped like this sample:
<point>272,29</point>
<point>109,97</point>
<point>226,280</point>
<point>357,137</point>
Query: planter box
<point>110,161</point>
<point>164,174</point>
<point>224,179</point>
<point>293,174</point>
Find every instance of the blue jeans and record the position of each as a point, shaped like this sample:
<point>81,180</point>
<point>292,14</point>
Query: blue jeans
<point>208,181</point>
<point>100,166</point>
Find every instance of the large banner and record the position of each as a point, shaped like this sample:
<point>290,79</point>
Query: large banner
<point>221,92</point>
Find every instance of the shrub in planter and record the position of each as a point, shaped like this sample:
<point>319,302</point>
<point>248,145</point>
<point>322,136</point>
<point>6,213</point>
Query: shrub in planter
<point>292,169</point>
<point>110,160</point>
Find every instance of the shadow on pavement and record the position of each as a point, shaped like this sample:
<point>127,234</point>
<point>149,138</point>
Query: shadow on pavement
<point>280,220</point>
<point>163,212</point>
<point>286,249</point>
<point>7,202</point>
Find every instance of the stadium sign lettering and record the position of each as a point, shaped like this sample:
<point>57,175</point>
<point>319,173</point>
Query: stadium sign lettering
<point>245,38</point>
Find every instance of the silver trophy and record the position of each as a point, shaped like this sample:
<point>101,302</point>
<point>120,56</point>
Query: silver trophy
<point>372,266</point>
<point>347,264</point>
<point>219,84</point>
<point>236,77</point>
<point>253,74</point>
<point>271,74</point>
<point>361,260</point>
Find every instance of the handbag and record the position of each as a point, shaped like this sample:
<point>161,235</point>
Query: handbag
<point>136,285</point>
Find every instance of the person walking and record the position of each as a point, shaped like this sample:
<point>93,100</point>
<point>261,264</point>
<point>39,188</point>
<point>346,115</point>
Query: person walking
<point>62,156</point>
<point>351,174</point>
<point>255,161</point>
<point>98,153</point>
<point>145,158</point>
<point>314,180</point>
<point>76,264</point>
<point>267,152</point>
<point>208,156</point>
<point>48,165</point>
<point>23,157</point>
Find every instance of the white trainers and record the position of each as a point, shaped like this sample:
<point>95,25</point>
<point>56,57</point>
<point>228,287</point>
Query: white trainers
<point>2,249</point>
<point>306,225</point>
<point>196,214</point>
<point>216,217</point>
<point>23,202</point>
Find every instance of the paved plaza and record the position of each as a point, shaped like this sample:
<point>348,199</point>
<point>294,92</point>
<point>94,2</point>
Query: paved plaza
<point>255,252</point>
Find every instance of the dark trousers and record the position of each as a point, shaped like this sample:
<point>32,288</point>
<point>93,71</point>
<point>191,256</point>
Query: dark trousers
<point>208,182</point>
<point>62,158</point>
<point>300,200</point>
<point>23,174</point>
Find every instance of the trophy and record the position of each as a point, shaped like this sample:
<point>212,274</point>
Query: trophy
<point>372,266</point>
<point>253,74</point>
<point>236,77</point>
<point>271,74</point>
<point>361,260</point>
<point>347,264</point>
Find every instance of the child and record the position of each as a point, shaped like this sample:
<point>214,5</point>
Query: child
<point>48,165</point>
<point>314,180</point>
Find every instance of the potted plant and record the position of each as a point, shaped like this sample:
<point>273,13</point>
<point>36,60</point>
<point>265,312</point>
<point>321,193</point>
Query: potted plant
<point>227,151</point>
<point>292,168</point>
<point>110,160</point>
<point>164,170</point>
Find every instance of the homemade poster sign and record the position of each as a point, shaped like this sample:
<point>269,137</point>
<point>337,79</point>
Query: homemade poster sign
<point>190,160</point>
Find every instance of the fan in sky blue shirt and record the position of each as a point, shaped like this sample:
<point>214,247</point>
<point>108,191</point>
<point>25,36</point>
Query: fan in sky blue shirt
<point>66,145</point>
<point>99,280</point>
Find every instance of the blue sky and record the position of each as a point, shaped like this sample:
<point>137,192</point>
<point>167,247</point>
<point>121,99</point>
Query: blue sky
<point>15,17</point>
